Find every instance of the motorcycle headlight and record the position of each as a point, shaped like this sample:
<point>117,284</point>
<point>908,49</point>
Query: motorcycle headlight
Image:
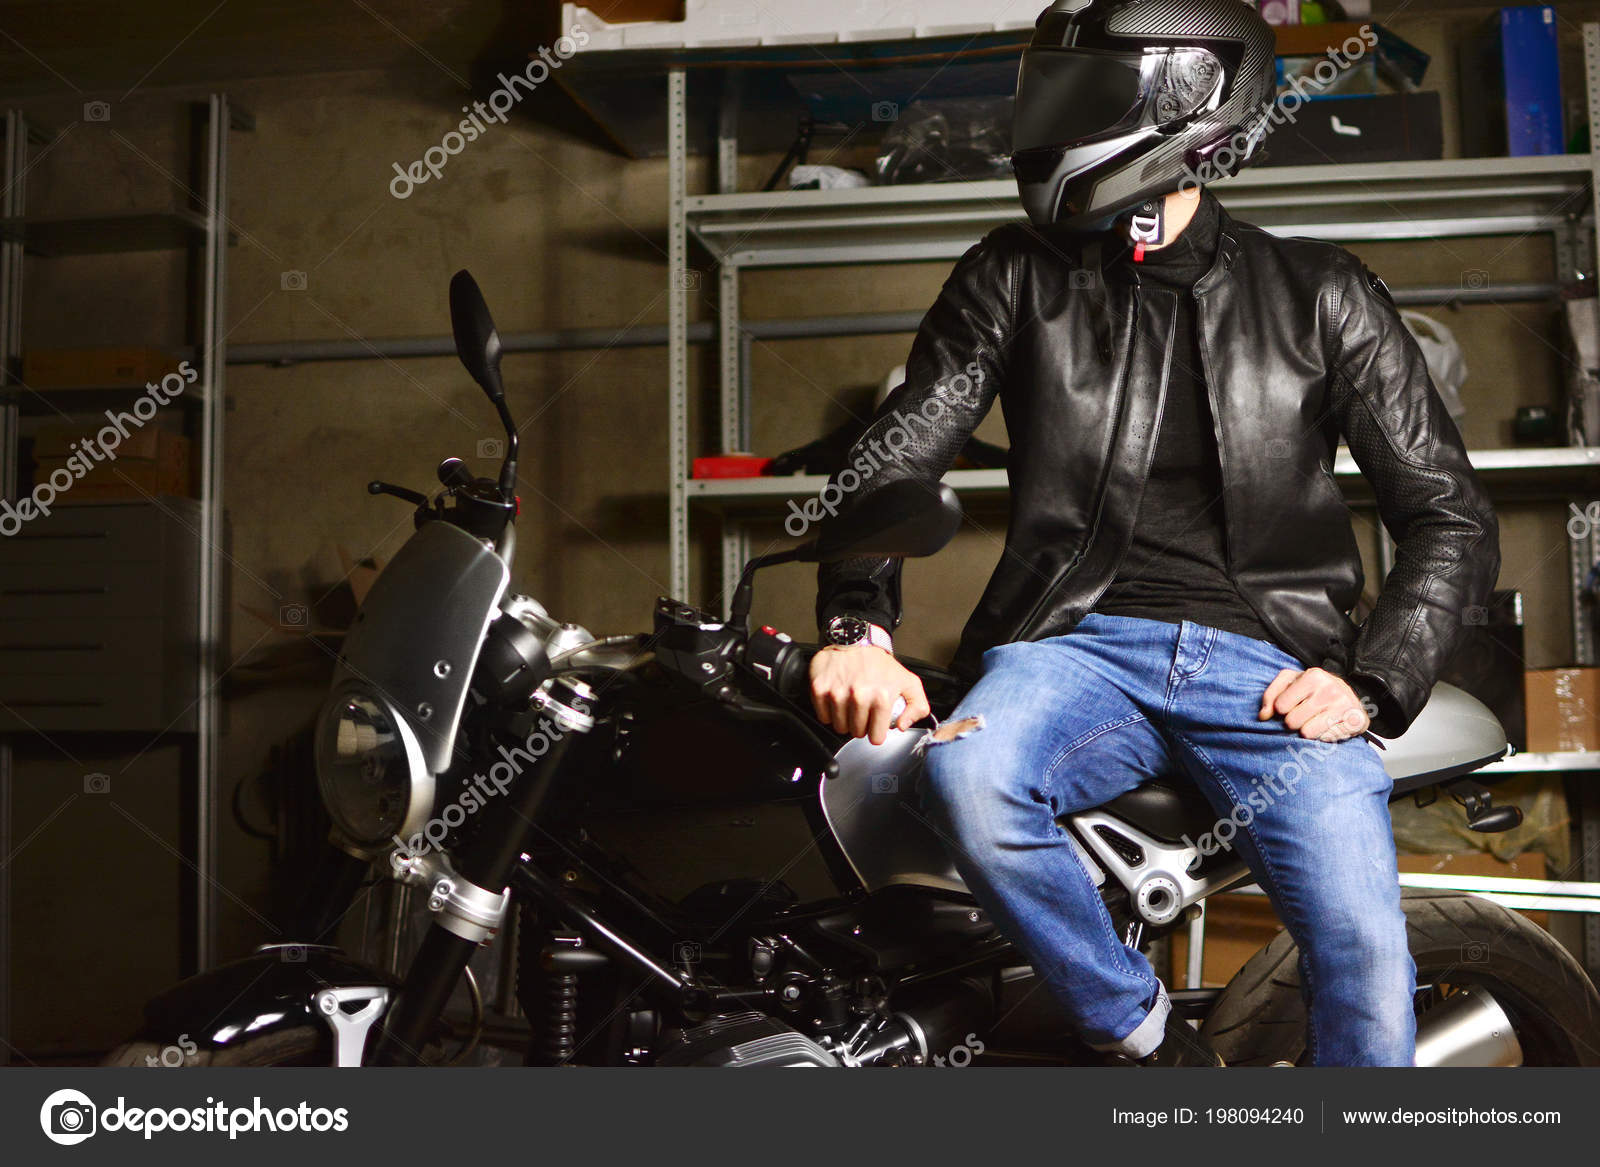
<point>373,779</point>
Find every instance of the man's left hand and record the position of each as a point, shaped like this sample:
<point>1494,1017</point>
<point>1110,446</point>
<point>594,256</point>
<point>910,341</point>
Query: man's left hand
<point>1316,704</point>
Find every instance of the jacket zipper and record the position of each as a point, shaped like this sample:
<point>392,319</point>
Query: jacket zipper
<point>1222,468</point>
<point>1061,575</point>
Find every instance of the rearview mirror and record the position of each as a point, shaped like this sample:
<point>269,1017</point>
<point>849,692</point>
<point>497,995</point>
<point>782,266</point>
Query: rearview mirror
<point>477,342</point>
<point>903,520</point>
<point>478,345</point>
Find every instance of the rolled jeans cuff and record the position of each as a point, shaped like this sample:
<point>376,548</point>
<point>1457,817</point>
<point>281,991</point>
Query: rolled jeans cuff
<point>1146,1036</point>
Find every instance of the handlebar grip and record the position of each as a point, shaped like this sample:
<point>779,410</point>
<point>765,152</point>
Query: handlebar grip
<point>792,675</point>
<point>785,665</point>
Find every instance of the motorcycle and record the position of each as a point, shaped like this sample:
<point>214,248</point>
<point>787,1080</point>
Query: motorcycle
<point>525,775</point>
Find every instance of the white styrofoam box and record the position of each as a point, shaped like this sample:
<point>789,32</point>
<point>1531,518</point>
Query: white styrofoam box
<point>738,23</point>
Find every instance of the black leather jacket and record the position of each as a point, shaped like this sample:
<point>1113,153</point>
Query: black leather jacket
<point>1301,346</point>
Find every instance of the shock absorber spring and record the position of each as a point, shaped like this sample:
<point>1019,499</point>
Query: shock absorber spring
<point>561,1018</point>
<point>561,961</point>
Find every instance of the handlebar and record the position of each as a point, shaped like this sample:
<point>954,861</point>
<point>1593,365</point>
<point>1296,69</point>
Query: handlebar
<point>782,663</point>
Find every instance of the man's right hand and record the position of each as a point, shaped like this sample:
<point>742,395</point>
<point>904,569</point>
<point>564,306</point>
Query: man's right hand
<point>854,689</point>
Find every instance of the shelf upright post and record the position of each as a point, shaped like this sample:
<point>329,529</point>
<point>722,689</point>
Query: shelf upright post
<point>732,367</point>
<point>212,373</point>
<point>11,260</point>
<point>14,173</point>
<point>1585,551</point>
<point>677,336</point>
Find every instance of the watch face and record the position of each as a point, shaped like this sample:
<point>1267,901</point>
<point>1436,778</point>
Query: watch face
<point>847,630</point>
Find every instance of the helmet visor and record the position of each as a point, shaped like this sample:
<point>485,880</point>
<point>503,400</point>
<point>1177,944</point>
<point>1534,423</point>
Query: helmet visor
<point>1066,96</point>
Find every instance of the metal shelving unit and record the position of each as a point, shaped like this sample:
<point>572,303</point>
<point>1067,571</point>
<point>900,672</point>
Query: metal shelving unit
<point>1386,200</point>
<point>201,229</point>
<point>103,234</point>
<point>1554,195</point>
<point>1552,473</point>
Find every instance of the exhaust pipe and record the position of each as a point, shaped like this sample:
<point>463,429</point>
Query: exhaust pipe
<point>929,1029</point>
<point>1468,1029</point>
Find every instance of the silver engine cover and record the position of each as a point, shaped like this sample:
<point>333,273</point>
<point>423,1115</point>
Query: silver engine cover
<point>745,1041</point>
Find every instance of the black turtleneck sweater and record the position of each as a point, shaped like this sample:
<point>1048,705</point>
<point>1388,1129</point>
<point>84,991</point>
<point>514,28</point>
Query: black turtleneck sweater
<point>1176,567</point>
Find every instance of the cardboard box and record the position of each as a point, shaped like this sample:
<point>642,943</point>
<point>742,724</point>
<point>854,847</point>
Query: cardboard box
<point>166,470</point>
<point>1306,40</point>
<point>144,444</point>
<point>1563,709</point>
<point>96,368</point>
<point>1359,79</point>
<point>631,11</point>
<point>1390,127</point>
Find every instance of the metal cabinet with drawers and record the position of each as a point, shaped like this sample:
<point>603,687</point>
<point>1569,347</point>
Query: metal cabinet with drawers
<point>99,619</point>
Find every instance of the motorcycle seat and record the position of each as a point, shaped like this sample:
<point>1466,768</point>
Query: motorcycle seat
<point>1166,808</point>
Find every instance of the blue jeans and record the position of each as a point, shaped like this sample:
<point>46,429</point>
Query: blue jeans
<point>1071,722</point>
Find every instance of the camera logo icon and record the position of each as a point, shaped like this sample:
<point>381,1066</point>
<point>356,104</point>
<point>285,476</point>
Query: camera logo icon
<point>292,281</point>
<point>491,449</point>
<point>687,281</point>
<point>97,111</point>
<point>885,111</point>
<point>1474,952</point>
<point>686,952</point>
<point>1475,279</point>
<point>1475,616</point>
<point>1080,278</point>
<point>68,1117</point>
<point>292,954</point>
<point>97,783</point>
<point>293,616</point>
<point>885,784</point>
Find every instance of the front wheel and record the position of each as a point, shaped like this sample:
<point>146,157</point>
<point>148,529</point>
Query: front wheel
<point>1459,942</point>
<point>300,1046</point>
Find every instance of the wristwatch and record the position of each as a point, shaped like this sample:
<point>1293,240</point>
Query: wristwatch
<point>849,630</point>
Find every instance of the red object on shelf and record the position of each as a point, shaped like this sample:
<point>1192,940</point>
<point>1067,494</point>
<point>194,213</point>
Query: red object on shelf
<point>731,466</point>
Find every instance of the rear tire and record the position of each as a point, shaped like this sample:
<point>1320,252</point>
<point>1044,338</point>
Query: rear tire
<point>1457,940</point>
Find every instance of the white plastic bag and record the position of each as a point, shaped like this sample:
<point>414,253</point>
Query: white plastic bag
<point>1446,365</point>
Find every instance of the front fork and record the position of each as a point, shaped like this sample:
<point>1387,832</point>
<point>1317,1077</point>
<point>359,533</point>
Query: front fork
<point>467,908</point>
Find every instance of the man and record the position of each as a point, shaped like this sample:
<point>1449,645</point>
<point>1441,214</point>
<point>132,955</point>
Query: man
<point>1179,572</point>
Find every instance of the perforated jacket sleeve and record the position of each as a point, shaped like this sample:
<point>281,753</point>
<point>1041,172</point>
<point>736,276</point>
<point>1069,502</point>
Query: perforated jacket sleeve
<point>1447,550</point>
<point>952,376</point>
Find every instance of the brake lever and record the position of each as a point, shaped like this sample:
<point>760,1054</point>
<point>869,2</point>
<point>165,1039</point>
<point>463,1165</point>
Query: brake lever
<point>742,706</point>
<point>402,493</point>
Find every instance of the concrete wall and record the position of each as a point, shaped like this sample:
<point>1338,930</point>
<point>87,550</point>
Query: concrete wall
<point>561,233</point>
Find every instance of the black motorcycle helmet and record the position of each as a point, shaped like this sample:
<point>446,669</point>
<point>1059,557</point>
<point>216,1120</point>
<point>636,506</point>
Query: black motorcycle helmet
<point>1123,101</point>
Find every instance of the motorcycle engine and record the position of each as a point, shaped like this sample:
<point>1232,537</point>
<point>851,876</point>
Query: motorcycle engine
<point>745,1040</point>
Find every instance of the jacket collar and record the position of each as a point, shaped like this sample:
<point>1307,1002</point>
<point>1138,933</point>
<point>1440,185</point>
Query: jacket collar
<point>1227,251</point>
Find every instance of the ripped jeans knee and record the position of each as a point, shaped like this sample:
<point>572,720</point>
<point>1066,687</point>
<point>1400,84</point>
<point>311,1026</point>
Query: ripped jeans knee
<point>951,777</point>
<point>954,731</point>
